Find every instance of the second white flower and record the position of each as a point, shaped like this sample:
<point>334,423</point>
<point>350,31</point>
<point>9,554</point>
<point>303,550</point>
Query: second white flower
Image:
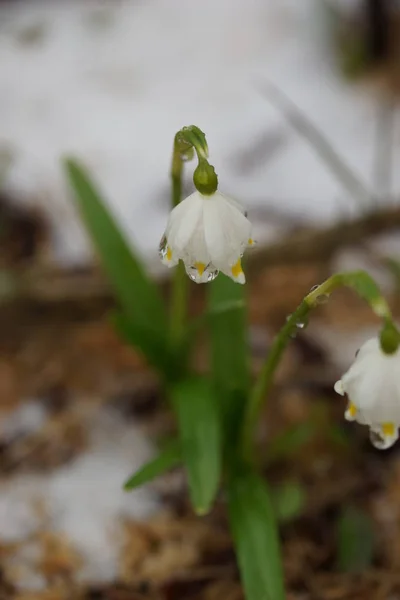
<point>372,385</point>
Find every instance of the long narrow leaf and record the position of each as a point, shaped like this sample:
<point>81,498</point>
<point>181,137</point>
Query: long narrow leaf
<point>152,347</point>
<point>170,457</point>
<point>196,406</point>
<point>229,353</point>
<point>355,541</point>
<point>254,531</point>
<point>135,291</point>
<point>228,334</point>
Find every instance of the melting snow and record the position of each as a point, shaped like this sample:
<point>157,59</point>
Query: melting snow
<point>112,82</point>
<point>84,499</point>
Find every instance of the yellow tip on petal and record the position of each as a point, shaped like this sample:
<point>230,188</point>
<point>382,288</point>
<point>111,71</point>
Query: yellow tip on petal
<point>169,254</point>
<point>200,268</point>
<point>351,412</point>
<point>237,269</point>
<point>352,409</point>
<point>250,242</point>
<point>388,429</point>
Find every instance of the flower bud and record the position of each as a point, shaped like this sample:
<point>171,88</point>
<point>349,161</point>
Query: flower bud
<point>389,338</point>
<point>205,178</point>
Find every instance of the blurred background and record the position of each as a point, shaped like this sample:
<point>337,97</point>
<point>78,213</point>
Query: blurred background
<point>299,102</point>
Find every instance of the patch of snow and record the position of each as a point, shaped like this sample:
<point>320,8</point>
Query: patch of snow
<point>111,83</point>
<point>84,499</point>
<point>26,418</point>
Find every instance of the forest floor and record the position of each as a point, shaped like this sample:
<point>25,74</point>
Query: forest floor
<point>80,410</point>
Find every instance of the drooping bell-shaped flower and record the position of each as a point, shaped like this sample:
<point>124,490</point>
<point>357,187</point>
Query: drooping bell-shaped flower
<point>209,232</point>
<point>372,385</point>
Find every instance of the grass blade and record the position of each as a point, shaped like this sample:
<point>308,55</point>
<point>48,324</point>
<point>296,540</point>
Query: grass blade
<point>135,291</point>
<point>228,334</point>
<point>169,458</point>
<point>254,531</point>
<point>229,353</point>
<point>152,347</point>
<point>355,541</point>
<point>196,406</point>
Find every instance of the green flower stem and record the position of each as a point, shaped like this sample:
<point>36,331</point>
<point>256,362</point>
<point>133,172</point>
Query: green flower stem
<point>176,177</point>
<point>265,378</point>
<point>364,286</point>
<point>187,140</point>
<point>179,289</point>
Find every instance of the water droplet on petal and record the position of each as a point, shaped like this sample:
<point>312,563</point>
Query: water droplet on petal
<point>209,274</point>
<point>163,247</point>
<point>379,441</point>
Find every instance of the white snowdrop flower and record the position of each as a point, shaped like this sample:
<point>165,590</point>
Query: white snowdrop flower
<point>209,233</point>
<point>372,385</point>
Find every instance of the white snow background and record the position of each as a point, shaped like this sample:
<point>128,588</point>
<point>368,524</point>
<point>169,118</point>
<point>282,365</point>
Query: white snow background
<point>83,499</point>
<point>111,83</point>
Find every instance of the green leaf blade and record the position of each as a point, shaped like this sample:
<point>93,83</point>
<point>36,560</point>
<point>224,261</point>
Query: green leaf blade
<point>228,334</point>
<point>364,285</point>
<point>153,348</point>
<point>198,415</point>
<point>254,530</point>
<point>169,458</point>
<point>230,368</point>
<point>136,292</point>
<point>289,499</point>
<point>355,541</point>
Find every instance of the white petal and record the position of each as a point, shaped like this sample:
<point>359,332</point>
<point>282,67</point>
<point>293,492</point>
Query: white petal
<point>382,440</point>
<point>238,278</point>
<point>227,232</point>
<point>169,262</point>
<point>373,386</point>
<point>166,255</point>
<point>235,272</point>
<point>339,388</point>
<point>183,221</point>
<point>195,251</point>
<point>349,414</point>
<point>233,202</point>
